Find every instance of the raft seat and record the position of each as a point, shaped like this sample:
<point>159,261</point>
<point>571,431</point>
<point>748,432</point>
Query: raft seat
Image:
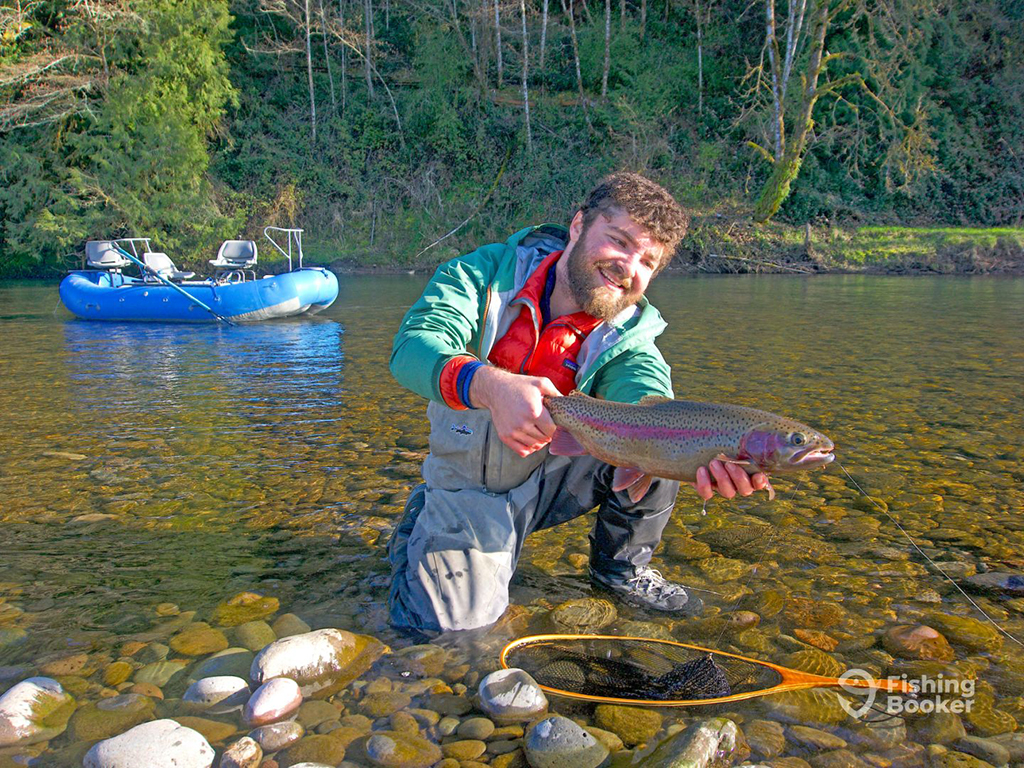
<point>161,264</point>
<point>102,254</point>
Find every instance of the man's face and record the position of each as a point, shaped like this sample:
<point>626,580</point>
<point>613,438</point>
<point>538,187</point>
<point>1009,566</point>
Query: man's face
<point>611,263</point>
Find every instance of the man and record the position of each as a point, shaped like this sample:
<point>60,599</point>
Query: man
<point>548,311</point>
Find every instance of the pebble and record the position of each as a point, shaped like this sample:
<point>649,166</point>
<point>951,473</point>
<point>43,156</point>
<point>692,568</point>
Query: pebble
<point>918,641</point>
<point>244,607</point>
<point>475,728</point>
<point>289,625</point>
<point>160,673</point>
<point>557,742</point>
<point>321,662</point>
<point>117,672</point>
<point>312,713</point>
<point>65,665</point>
<point>464,749</point>
<point>152,653</point>
<point>812,737</point>
<point>244,753</point>
<point>447,725</point>
<point>633,725</point>
<point>198,640</point>
<point>383,704</point>
<point>277,736</point>
<point>254,635</point>
<point>231,662</point>
<point>313,749</point>
<point>1011,583</point>
<point>156,744</point>
<point>765,737</point>
<point>984,749</point>
<point>214,731</point>
<point>272,701</point>
<point>511,695</point>
<point>25,707</point>
<point>216,695</point>
<point>109,717</point>
<point>401,750</point>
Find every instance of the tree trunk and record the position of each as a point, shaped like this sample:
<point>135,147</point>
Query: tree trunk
<point>787,165</point>
<point>772,43</point>
<point>344,58</point>
<point>327,56</point>
<point>569,11</point>
<point>309,72</point>
<point>543,33</point>
<point>622,15</point>
<point>368,26</point>
<point>526,87</point>
<point>700,60</point>
<point>497,41</point>
<point>607,47</point>
<point>643,19</point>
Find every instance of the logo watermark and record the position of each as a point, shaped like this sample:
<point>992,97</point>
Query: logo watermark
<point>910,695</point>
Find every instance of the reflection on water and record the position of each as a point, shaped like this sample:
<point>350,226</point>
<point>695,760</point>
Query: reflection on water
<point>142,464</point>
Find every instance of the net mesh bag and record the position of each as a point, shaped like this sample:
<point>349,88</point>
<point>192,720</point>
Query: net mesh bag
<point>638,669</point>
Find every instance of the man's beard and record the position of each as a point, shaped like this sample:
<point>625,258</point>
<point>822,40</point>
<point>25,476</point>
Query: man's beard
<point>588,289</point>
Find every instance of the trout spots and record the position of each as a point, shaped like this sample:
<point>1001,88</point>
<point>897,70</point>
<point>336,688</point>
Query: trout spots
<point>636,431</point>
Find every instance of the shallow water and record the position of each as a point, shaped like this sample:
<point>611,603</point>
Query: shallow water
<point>144,464</point>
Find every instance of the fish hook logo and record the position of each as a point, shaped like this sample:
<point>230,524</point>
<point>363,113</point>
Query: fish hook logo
<point>868,694</point>
<point>462,429</point>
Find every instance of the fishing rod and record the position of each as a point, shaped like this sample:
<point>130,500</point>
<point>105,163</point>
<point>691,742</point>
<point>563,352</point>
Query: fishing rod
<point>146,268</point>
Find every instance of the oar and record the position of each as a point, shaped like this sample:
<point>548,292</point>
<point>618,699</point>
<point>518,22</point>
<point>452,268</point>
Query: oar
<point>165,281</point>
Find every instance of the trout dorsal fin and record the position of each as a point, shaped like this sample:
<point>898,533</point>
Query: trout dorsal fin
<point>654,400</point>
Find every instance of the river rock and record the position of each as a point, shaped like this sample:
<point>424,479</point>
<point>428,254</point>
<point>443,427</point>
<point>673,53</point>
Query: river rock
<point>277,736</point>
<point>216,695</point>
<point>765,737</point>
<point>511,696</point>
<point>254,635</point>
<point>940,728</point>
<point>156,744</point>
<point>475,728</point>
<point>984,749</point>
<point>160,673</point>
<point>322,750</point>
<point>109,717</point>
<point>815,739</point>
<point>401,750</point>
<point>321,662</point>
<point>152,653</point>
<point>587,614</point>
<point>72,664</point>
<point>117,672</point>
<point>199,640</point>
<point>817,706</point>
<point>244,753</point>
<point>917,641</point>
<point>698,746</point>
<point>272,701</point>
<point>312,713</point>
<point>384,703</point>
<point>288,624</point>
<point>34,710</point>
<point>557,742</point>
<point>634,725</point>
<point>971,634</point>
<point>231,662</point>
<point>838,758</point>
<point>463,749</point>
<point>214,731</point>
<point>420,660</point>
<point>244,607</point>
<point>1010,583</point>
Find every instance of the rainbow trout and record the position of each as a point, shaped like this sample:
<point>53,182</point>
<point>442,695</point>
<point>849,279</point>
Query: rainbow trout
<point>661,437</point>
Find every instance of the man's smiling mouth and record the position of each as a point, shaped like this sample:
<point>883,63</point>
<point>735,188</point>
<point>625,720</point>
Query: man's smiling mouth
<point>610,281</point>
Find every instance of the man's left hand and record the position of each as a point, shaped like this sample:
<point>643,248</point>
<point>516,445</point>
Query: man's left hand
<point>728,480</point>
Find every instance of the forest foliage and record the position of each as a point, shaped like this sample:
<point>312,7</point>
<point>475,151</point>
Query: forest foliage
<point>387,127</point>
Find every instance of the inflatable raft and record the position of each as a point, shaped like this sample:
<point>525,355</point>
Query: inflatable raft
<point>164,294</point>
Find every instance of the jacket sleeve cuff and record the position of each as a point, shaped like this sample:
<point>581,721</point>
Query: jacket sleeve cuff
<point>454,381</point>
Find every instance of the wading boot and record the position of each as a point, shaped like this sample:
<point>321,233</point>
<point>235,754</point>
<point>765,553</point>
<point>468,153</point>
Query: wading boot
<point>647,588</point>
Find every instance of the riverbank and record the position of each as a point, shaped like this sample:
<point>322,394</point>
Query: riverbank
<point>720,245</point>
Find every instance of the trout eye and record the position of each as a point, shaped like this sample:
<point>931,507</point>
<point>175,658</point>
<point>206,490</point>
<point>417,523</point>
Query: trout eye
<point>797,438</point>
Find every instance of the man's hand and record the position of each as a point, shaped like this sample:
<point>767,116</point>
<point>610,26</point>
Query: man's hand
<point>516,405</point>
<point>728,480</point>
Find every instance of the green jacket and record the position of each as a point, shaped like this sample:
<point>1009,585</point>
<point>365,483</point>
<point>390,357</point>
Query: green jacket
<point>465,308</point>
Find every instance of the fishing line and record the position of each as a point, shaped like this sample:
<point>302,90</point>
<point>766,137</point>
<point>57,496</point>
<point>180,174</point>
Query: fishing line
<point>930,561</point>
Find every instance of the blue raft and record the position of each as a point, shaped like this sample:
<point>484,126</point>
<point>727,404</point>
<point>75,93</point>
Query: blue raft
<point>105,293</point>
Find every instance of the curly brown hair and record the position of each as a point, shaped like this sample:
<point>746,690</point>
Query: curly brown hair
<point>648,204</point>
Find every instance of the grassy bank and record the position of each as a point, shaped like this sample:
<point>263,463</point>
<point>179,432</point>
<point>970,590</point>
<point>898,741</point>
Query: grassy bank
<point>718,245</point>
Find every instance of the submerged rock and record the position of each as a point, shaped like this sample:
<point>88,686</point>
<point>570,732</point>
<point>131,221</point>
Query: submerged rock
<point>216,695</point>
<point>401,750</point>
<point>700,745</point>
<point>109,717</point>
<point>277,736</point>
<point>634,725</point>
<point>321,662</point>
<point>587,614</point>
<point>244,753</point>
<point>34,710</point>
<point>244,607</point>
<point>272,701</point>
<point>917,641</point>
<point>557,742</point>
<point>157,744</point>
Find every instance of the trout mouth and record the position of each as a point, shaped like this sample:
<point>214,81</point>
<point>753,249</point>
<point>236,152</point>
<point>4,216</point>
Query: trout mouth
<point>813,456</point>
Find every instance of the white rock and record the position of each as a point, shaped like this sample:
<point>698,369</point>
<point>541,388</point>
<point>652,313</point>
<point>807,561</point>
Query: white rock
<point>272,701</point>
<point>25,705</point>
<point>216,695</point>
<point>316,660</point>
<point>511,695</point>
<point>557,742</point>
<point>244,753</point>
<point>277,736</point>
<point>156,744</point>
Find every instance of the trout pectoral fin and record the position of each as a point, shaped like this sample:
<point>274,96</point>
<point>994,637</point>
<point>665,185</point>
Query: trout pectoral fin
<point>564,444</point>
<point>771,491</point>
<point>634,481</point>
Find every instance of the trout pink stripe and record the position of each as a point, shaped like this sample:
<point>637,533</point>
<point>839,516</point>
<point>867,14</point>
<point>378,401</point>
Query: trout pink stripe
<point>641,432</point>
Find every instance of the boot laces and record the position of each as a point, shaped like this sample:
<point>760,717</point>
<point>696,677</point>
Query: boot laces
<point>649,581</point>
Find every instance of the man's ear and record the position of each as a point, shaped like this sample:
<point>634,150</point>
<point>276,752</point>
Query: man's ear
<point>576,227</point>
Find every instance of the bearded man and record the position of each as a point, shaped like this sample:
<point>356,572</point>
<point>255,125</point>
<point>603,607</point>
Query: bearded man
<point>546,312</point>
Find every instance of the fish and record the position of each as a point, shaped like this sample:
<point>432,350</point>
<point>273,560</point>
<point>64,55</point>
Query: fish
<point>662,437</point>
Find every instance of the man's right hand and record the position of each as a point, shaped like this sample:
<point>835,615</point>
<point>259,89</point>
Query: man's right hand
<point>517,407</point>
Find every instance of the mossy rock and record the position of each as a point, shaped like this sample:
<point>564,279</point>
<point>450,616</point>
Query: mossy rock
<point>244,607</point>
<point>968,633</point>
<point>198,640</point>
<point>814,661</point>
<point>631,724</point>
<point>587,614</point>
<point>817,706</point>
<point>313,749</point>
<point>401,750</point>
<point>110,717</point>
